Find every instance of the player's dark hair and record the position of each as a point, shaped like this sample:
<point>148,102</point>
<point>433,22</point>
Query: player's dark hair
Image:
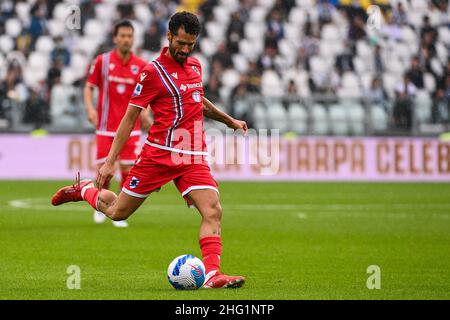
<point>122,24</point>
<point>186,20</point>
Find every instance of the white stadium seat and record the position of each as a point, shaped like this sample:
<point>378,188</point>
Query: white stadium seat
<point>259,116</point>
<point>298,118</point>
<point>338,120</point>
<point>45,44</point>
<point>378,118</point>
<point>6,43</point>
<point>278,117</point>
<point>319,119</point>
<point>13,27</point>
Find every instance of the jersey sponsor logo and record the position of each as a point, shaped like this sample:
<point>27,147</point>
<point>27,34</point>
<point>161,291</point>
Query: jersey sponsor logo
<point>184,87</point>
<point>134,69</point>
<point>196,96</point>
<point>175,75</point>
<point>134,182</point>
<point>137,90</point>
<point>143,76</point>
<point>196,70</point>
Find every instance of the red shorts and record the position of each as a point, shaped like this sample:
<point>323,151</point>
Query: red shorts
<point>155,167</point>
<point>128,154</point>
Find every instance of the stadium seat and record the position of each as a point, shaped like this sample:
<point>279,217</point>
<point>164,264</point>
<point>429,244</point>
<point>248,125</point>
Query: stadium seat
<point>330,32</point>
<point>23,12</point>
<point>230,78</point>
<point>259,116</point>
<point>356,116</point>
<point>215,30</point>
<point>278,116</point>
<point>338,120</point>
<point>297,16</point>
<point>378,118</point>
<point>429,82</point>
<point>364,50</point>
<point>13,27</point>
<point>422,107</point>
<point>208,46</point>
<point>266,3</point>
<point>444,35</point>
<point>298,118</point>
<point>291,32</point>
<point>143,13</point>
<point>105,11</point>
<point>442,52</point>
<point>271,85</point>
<point>254,30</point>
<point>258,14</point>
<point>44,44</point>
<point>221,14</point>
<point>56,27</point>
<point>240,63</point>
<point>319,120</point>
<point>6,43</point>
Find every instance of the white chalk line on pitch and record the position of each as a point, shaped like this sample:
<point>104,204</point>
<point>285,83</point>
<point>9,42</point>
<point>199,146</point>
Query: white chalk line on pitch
<point>348,210</point>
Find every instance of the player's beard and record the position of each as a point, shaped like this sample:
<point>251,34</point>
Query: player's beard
<point>177,56</point>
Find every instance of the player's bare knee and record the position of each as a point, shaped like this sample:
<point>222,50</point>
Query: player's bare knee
<point>213,212</point>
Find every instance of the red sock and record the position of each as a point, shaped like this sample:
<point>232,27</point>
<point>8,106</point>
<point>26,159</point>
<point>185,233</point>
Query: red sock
<point>211,250</point>
<point>91,196</point>
<point>123,177</point>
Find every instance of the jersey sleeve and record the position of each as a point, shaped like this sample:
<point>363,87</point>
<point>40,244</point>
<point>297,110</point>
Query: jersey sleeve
<point>146,89</point>
<point>94,73</point>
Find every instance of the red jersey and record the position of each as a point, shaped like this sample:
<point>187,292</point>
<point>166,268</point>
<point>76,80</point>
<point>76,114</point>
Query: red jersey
<point>174,92</point>
<point>116,81</point>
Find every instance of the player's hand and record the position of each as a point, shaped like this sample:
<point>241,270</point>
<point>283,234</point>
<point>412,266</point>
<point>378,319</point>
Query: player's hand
<point>239,125</point>
<point>104,174</point>
<point>93,116</point>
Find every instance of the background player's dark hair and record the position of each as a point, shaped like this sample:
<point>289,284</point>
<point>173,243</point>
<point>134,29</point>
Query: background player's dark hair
<point>184,19</point>
<point>121,24</point>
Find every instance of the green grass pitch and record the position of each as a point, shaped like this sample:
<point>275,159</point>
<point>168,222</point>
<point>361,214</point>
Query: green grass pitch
<point>291,240</point>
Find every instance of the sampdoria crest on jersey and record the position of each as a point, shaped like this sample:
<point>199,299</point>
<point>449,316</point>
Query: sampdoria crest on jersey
<point>134,182</point>
<point>134,69</point>
<point>196,70</point>
<point>137,90</point>
<point>196,96</point>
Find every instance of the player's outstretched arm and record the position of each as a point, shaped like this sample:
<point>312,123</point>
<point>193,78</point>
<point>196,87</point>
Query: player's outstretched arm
<point>123,133</point>
<point>212,112</point>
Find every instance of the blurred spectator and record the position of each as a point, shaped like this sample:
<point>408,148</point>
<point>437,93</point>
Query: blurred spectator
<point>222,56</point>
<point>308,47</point>
<point>377,95</point>
<point>325,12</point>
<point>284,7</point>
<point>275,25</point>
<point>15,88</point>
<point>152,38</point>
<point>54,73</point>
<point>38,23</point>
<point>427,28</point>
<point>36,110</point>
<point>291,94</point>
<point>440,112</point>
<point>378,60</point>
<point>399,16</point>
<point>253,77</point>
<point>405,92</point>
<point>344,61</point>
<point>60,52</point>
<point>6,10</point>
<point>212,89</point>
<point>235,32</point>
<point>126,10</point>
<point>415,73</point>
<point>240,107</point>
<point>206,9</point>
<point>270,60</point>
<point>390,30</point>
<point>357,30</point>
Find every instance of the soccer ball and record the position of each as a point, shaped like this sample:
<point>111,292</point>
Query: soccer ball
<point>186,272</point>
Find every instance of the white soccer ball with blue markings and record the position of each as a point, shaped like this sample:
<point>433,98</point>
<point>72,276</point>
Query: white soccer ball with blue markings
<point>186,272</point>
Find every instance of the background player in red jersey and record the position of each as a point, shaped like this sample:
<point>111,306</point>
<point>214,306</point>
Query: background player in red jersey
<point>175,148</point>
<point>114,73</point>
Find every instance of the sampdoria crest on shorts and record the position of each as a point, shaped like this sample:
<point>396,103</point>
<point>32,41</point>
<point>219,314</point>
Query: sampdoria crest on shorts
<point>134,182</point>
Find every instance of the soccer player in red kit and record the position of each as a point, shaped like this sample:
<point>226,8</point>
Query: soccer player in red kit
<point>175,149</point>
<point>114,73</point>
